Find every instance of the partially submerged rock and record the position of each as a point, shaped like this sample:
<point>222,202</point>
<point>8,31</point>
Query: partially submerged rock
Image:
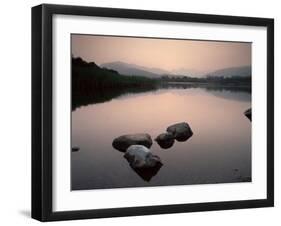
<point>75,149</point>
<point>141,157</point>
<point>180,131</point>
<point>165,140</point>
<point>143,162</point>
<point>248,114</point>
<point>123,142</point>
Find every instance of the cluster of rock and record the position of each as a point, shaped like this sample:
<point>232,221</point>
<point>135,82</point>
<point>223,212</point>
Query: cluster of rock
<point>138,154</point>
<point>180,132</point>
<point>136,148</point>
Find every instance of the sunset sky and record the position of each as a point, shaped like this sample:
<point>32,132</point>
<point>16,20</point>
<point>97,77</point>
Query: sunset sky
<point>166,54</point>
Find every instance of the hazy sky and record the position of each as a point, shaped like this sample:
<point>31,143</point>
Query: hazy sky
<point>165,54</point>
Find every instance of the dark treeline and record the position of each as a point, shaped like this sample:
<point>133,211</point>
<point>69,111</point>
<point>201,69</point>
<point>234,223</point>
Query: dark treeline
<point>90,83</point>
<point>89,76</point>
<point>235,79</point>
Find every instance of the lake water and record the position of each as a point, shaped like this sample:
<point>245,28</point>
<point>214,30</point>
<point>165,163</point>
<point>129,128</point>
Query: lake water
<point>218,152</point>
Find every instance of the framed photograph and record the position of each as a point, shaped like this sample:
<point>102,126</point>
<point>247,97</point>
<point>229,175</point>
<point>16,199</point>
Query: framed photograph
<point>145,112</point>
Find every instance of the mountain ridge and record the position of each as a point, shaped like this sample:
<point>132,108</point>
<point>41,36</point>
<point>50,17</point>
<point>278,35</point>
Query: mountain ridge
<point>242,71</point>
<point>137,70</point>
<point>132,69</point>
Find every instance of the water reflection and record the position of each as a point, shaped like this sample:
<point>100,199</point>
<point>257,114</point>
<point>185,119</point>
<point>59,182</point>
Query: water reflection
<point>222,140</point>
<point>104,95</point>
<point>147,173</point>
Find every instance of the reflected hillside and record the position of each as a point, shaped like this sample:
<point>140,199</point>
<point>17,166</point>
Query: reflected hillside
<point>104,95</point>
<point>237,95</point>
<point>208,86</point>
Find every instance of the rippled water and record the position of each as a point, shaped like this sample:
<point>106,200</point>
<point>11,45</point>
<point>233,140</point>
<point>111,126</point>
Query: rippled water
<point>218,152</point>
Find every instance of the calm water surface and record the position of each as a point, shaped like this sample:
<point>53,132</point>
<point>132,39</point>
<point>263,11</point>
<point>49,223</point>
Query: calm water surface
<point>218,152</point>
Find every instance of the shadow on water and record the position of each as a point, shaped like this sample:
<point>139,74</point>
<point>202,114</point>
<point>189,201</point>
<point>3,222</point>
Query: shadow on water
<point>225,91</point>
<point>104,95</point>
<point>147,173</point>
<point>241,93</point>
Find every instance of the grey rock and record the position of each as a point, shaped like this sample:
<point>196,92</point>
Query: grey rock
<point>180,131</point>
<point>165,140</point>
<point>141,157</point>
<point>123,142</point>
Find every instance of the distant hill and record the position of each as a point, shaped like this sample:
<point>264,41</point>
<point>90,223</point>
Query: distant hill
<point>137,70</point>
<point>134,70</point>
<point>152,72</point>
<point>87,76</point>
<point>188,72</point>
<point>244,71</point>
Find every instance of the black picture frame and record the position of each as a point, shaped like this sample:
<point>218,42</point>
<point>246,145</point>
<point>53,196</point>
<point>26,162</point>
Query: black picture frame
<point>42,111</point>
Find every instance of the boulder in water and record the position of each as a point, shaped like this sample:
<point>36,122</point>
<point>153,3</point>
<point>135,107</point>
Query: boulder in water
<point>123,142</point>
<point>180,131</point>
<point>165,140</point>
<point>143,162</point>
<point>141,157</point>
<point>248,114</point>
